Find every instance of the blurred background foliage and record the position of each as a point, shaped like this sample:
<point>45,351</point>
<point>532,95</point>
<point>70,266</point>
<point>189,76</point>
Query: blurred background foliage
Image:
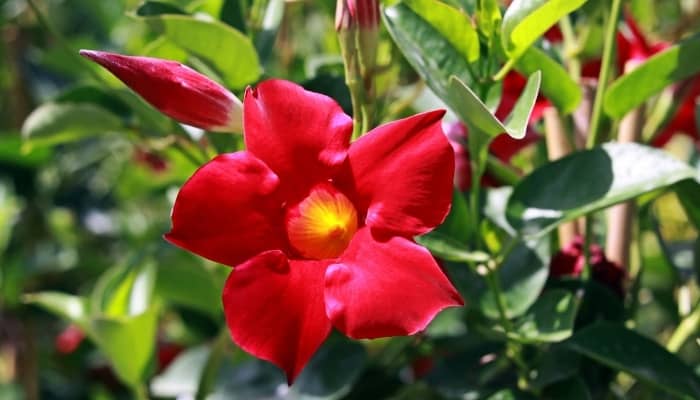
<point>82,215</point>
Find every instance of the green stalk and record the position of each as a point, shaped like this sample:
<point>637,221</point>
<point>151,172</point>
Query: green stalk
<point>477,143</point>
<point>685,329</point>
<point>604,75</point>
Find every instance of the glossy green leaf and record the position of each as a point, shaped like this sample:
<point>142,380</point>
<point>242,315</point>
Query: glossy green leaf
<point>676,63</point>
<point>69,307</point>
<point>454,25</point>
<point>526,20</point>
<point>128,343</point>
<point>550,319</point>
<point>475,113</point>
<point>54,123</point>
<point>557,85</point>
<point>10,208</point>
<point>688,193</point>
<point>215,43</point>
<point>431,54</point>
<point>590,180</point>
<point>152,8</point>
<point>522,276</point>
<point>571,389</point>
<point>626,350</point>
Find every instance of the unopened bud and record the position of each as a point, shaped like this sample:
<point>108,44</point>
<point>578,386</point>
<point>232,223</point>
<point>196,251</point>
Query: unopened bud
<point>357,13</point>
<point>176,90</point>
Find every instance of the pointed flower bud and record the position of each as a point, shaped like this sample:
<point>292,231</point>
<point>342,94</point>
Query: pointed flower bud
<point>176,90</point>
<point>353,13</point>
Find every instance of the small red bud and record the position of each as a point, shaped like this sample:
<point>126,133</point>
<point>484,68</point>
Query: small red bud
<point>176,90</point>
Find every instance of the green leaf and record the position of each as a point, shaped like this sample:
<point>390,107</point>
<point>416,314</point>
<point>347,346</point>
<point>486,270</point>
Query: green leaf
<point>674,64</point>
<point>190,285</point>
<point>332,371</point>
<point>590,180</point>
<point>152,8</point>
<point>475,113</point>
<point>550,319</point>
<point>557,85</point>
<point>454,25</point>
<point>688,193</point>
<point>625,350</point>
<point>215,43</point>
<point>431,54</point>
<point>526,20</point>
<point>54,123</point>
<point>182,376</point>
<point>571,389</point>
<point>128,343</point>
<point>522,276</point>
<point>71,308</point>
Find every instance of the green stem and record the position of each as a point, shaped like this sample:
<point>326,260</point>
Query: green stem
<point>604,76</point>
<point>502,171</point>
<point>213,364</point>
<point>140,392</point>
<point>505,69</point>
<point>477,144</point>
<point>687,327</point>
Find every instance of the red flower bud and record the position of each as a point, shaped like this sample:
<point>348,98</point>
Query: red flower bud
<point>176,90</point>
<point>569,260</point>
<point>352,13</point>
<point>69,340</point>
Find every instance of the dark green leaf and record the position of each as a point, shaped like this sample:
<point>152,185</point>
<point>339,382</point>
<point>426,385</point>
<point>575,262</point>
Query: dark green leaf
<point>625,350</point>
<point>589,180</point>
<point>570,389</point>
<point>526,20</point>
<point>676,63</point>
<point>550,319</point>
<point>153,8</point>
<point>522,276</point>
<point>190,285</point>
<point>265,39</point>
<point>233,13</point>
<point>332,371</point>
<point>688,193</point>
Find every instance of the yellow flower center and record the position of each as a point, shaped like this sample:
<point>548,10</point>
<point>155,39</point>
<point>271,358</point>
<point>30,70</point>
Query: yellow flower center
<point>321,225</point>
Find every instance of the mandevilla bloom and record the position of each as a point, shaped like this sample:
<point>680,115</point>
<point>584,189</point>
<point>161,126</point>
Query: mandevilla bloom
<point>569,261</point>
<point>320,230</point>
<point>683,120</point>
<point>176,90</point>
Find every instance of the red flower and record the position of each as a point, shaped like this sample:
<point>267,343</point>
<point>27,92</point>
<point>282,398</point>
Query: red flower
<point>320,230</point>
<point>503,147</point>
<point>513,86</point>
<point>569,261</point>
<point>69,340</point>
<point>683,121</point>
<point>176,90</point>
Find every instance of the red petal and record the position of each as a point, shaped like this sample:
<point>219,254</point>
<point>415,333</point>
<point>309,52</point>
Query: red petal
<point>274,309</point>
<point>401,173</point>
<point>385,288</point>
<point>303,136</point>
<point>229,210</point>
<point>176,90</point>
